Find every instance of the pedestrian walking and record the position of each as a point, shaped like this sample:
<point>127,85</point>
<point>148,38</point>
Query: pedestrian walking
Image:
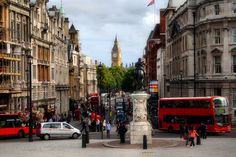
<point>98,125</point>
<point>181,131</point>
<point>104,124</point>
<point>84,125</point>
<point>108,128</point>
<point>199,137</point>
<point>68,118</point>
<point>122,130</point>
<point>203,129</point>
<point>192,134</point>
<point>186,134</point>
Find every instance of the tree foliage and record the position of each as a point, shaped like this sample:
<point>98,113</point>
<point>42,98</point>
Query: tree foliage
<point>115,78</point>
<point>128,81</point>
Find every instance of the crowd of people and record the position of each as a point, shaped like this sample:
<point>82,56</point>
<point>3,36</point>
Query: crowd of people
<point>191,134</point>
<point>53,117</point>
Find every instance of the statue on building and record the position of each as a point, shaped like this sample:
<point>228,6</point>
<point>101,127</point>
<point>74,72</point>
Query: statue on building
<point>139,75</point>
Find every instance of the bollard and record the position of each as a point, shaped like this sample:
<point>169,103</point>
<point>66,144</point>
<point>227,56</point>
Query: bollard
<point>144,141</point>
<point>87,137</point>
<point>83,140</point>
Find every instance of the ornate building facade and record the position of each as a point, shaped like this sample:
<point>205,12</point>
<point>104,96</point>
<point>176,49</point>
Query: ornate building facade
<point>116,54</point>
<point>59,59</point>
<point>14,45</point>
<point>74,67</point>
<point>88,75</point>
<point>201,49</point>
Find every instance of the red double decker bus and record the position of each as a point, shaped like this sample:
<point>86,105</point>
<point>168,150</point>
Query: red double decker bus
<point>11,125</point>
<point>212,111</point>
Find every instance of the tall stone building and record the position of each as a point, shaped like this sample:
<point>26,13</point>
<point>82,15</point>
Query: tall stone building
<point>88,76</point>
<point>201,49</point>
<point>14,46</point>
<point>74,67</point>
<point>154,51</point>
<point>42,34</point>
<point>116,54</point>
<point>60,66</point>
<point>43,79</point>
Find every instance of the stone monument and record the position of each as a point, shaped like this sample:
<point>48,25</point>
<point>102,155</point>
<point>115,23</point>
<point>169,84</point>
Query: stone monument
<point>140,126</point>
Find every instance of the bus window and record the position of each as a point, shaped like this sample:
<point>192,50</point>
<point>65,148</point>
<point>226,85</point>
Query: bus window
<point>10,123</point>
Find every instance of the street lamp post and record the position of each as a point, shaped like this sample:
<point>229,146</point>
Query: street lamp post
<point>164,84</point>
<point>194,54</point>
<point>100,77</point>
<point>29,59</point>
<point>181,79</point>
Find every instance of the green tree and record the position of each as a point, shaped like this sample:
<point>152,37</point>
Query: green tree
<point>118,73</point>
<point>115,78</point>
<point>128,81</point>
<point>105,78</point>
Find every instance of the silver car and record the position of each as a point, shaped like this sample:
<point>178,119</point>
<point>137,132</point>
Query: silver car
<point>49,130</point>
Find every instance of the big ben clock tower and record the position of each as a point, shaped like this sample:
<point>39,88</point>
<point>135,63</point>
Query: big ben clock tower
<point>116,56</point>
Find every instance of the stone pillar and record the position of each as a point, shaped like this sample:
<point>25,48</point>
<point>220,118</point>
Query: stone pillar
<point>140,126</point>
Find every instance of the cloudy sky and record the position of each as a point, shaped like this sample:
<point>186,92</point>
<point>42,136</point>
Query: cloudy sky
<point>99,21</point>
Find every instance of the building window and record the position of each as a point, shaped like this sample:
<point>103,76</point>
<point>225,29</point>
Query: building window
<point>18,31</point>
<point>217,64</point>
<point>203,12</point>
<point>1,14</point>
<point>204,64</point>
<point>217,36</point>
<point>234,97</point>
<point>234,8</point>
<point>234,64</point>
<point>234,35</point>
<point>217,91</point>
<point>217,9</point>
<point>53,74</point>
<point>204,41</point>
<point>34,72</point>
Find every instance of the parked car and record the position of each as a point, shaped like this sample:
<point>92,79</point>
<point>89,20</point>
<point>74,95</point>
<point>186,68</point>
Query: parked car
<point>49,130</point>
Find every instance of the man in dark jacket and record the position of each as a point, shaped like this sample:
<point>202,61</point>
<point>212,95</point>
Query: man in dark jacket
<point>122,130</point>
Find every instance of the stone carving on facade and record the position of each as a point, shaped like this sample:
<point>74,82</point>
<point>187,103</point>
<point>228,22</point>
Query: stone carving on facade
<point>140,110</point>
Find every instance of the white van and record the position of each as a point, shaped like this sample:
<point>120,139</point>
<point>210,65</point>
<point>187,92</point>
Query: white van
<point>49,130</point>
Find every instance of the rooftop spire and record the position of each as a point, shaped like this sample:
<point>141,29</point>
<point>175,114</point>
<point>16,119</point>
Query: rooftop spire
<point>62,11</point>
<point>116,41</point>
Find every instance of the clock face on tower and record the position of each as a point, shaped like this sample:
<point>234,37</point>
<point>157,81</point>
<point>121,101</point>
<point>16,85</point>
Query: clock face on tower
<point>114,55</point>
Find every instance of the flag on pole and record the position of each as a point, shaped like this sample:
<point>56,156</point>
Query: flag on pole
<point>151,2</point>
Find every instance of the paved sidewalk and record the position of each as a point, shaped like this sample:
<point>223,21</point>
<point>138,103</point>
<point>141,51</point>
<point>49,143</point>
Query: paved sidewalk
<point>212,147</point>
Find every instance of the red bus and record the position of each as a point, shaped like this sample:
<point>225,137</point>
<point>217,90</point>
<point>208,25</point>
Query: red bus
<point>11,125</point>
<point>212,111</point>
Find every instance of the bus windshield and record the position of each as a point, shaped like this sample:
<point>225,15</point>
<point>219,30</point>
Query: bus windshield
<point>222,119</point>
<point>220,102</point>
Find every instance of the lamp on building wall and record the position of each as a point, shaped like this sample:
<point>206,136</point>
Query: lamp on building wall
<point>100,92</point>
<point>30,60</point>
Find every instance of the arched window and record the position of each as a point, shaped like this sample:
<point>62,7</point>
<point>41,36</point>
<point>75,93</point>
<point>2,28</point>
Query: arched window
<point>217,61</point>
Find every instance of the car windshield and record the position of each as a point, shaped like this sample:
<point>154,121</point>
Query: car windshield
<point>66,126</point>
